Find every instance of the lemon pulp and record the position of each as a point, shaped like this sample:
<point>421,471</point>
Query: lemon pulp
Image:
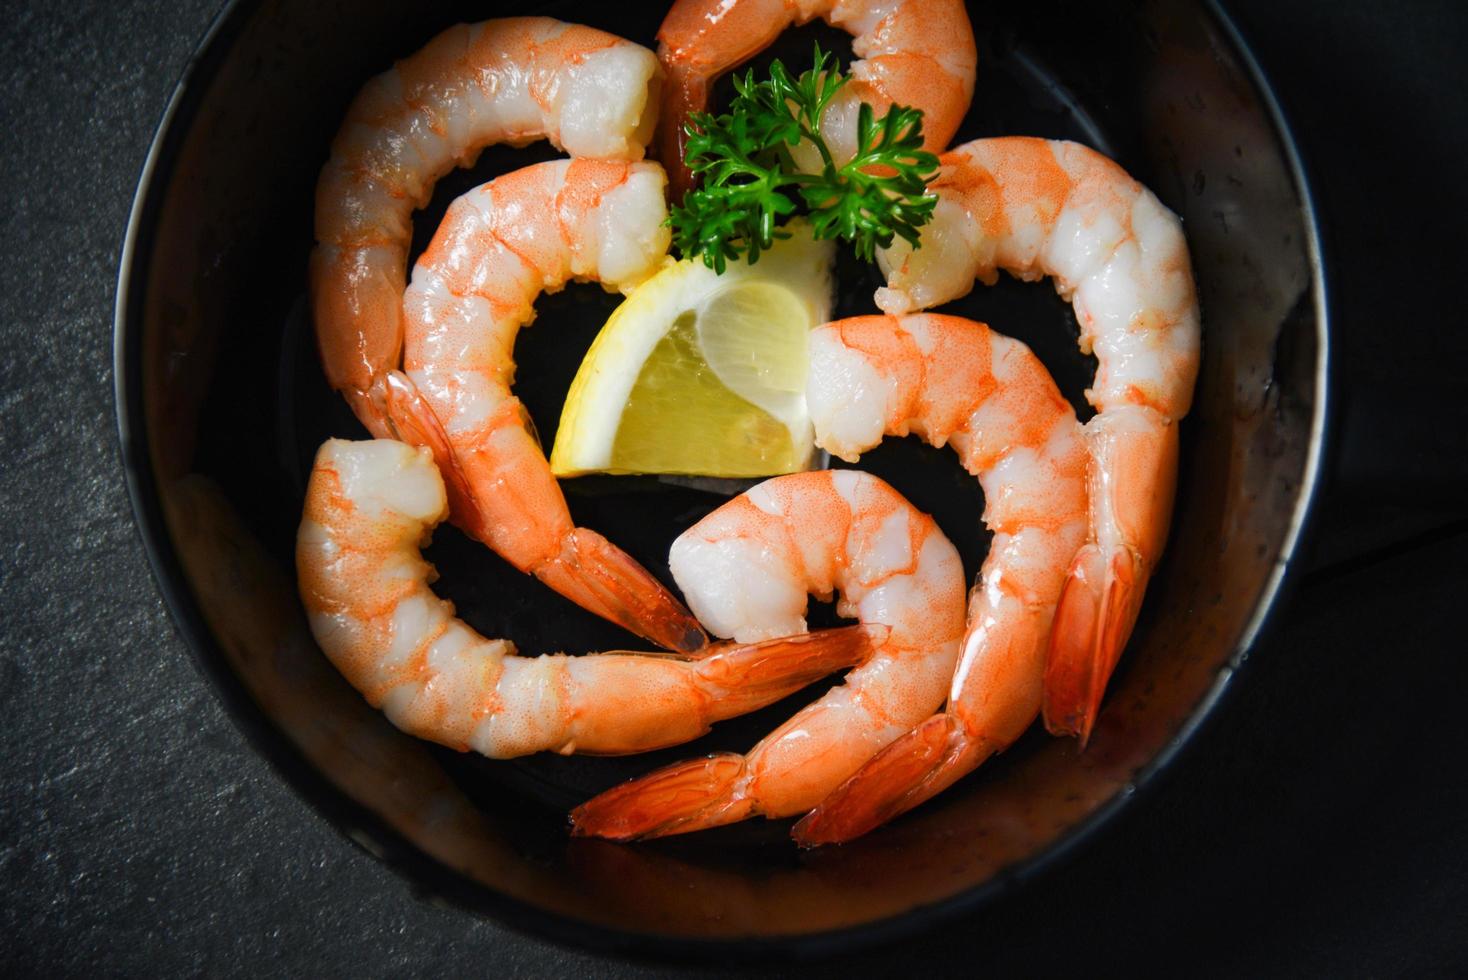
<point>702,374</point>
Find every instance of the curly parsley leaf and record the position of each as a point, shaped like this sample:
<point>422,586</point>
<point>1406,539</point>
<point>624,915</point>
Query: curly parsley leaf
<point>750,181</point>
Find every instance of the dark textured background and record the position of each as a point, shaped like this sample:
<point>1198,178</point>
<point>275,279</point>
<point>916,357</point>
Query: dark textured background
<point>1320,825</point>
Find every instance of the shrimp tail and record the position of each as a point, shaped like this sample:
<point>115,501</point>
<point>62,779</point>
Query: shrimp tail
<point>408,418</point>
<point>682,91</point>
<point>712,791</point>
<point>1097,610</point>
<point>683,797</point>
<point>913,769</point>
<point>750,676</point>
<point>589,570</point>
<point>1134,450</point>
<point>367,405</point>
<point>598,576</point>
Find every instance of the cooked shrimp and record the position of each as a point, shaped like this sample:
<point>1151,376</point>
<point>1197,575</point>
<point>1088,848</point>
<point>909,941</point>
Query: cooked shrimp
<point>747,569</point>
<point>916,53</point>
<point>952,381</point>
<point>503,81</point>
<point>515,80</point>
<point>499,247</point>
<point>1038,208</point>
<point>370,506</point>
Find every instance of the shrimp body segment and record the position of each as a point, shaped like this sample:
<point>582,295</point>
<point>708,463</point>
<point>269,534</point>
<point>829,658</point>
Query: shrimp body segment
<point>747,570</point>
<point>515,80</point>
<point>369,508</point>
<point>1038,208</point>
<point>917,53</point>
<point>499,247</point>
<point>954,382</point>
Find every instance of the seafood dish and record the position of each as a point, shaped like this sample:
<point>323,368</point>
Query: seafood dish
<point>726,334</point>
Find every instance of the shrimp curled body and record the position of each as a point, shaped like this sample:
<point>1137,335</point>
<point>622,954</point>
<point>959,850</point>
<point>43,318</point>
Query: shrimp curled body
<point>918,53</point>
<point>952,381</point>
<point>369,508</point>
<point>1037,208</point>
<point>515,80</point>
<point>499,247</point>
<point>747,569</point>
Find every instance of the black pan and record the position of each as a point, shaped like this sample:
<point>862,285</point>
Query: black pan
<point>221,404</point>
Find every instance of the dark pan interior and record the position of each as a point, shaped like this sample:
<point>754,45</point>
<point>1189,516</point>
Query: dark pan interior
<point>223,404</point>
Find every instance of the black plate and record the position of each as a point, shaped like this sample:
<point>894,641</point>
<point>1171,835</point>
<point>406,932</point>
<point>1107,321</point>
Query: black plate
<point>222,403</point>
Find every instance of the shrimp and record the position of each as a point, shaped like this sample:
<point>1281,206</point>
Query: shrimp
<point>1039,208</point>
<point>499,246</point>
<point>952,381</point>
<point>515,80</point>
<point>916,53</point>
<point>370,505</point>
<point>746,569</point>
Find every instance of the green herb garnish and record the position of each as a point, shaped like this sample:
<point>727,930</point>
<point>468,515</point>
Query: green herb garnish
<point>750,179</point>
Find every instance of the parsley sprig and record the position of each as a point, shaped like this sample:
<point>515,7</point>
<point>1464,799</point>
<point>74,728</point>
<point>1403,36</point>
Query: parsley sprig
<point>750,180</point>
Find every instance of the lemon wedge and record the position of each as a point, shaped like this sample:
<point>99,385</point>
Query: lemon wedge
<point>702,374</point>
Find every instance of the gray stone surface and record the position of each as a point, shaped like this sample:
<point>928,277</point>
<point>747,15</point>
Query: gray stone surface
<point>1317,827</point>
<point>138,832</point>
